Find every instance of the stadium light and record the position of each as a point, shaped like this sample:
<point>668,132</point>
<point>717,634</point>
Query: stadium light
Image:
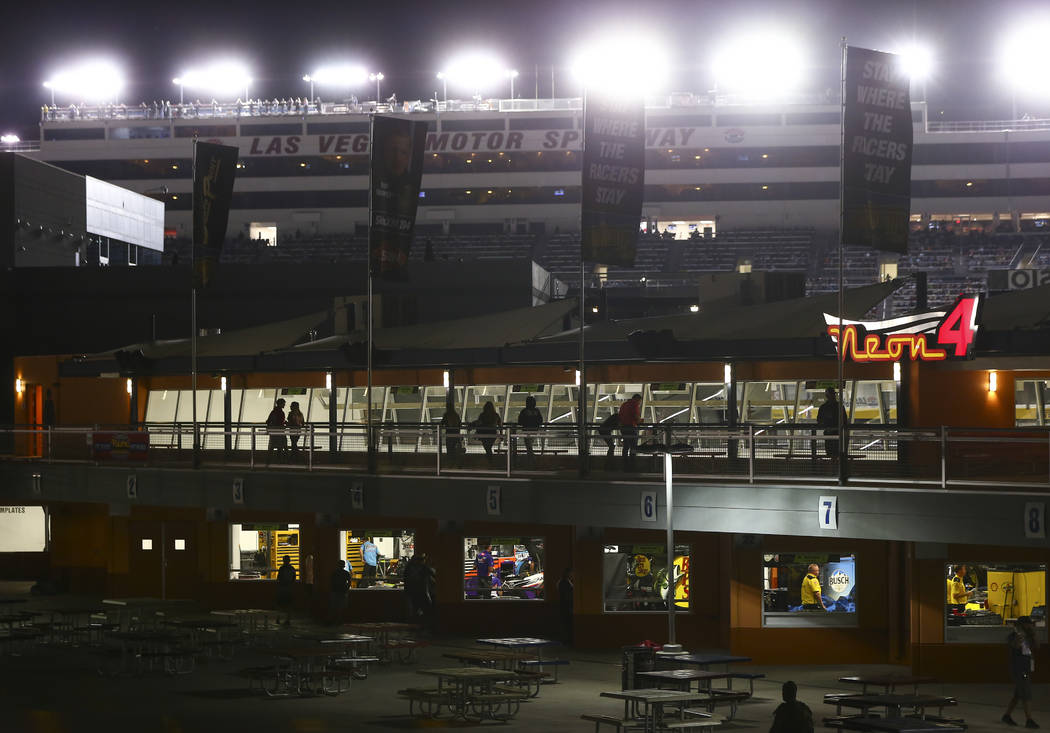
<point>220,78</point>
<point>377,77</point>
<point>1025,60</point>
<point>344,76</point>
<point>763,63</point>
<point>624,65</point>
<point>93,81</point>
<point>10,139</point>
<point>917,62</point>
<point>476,72</point>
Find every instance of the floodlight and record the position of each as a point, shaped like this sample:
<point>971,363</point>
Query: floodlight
<point>1026,59</point>
<point>344,75</point>
<point>916,61</point>
<point>630,64</point>
<point>475,72</point>
<point>761,62</point>
<point>10,139</point>
<point>220,78</point>
<point>93,81</point>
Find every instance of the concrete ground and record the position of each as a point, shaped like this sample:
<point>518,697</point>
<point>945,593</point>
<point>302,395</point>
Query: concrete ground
<point>54,689</point>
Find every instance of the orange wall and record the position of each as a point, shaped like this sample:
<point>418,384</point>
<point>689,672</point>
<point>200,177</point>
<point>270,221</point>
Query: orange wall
<point>957,397</point>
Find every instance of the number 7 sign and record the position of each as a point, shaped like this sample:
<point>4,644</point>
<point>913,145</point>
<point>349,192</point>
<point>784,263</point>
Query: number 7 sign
<point>828,512</point>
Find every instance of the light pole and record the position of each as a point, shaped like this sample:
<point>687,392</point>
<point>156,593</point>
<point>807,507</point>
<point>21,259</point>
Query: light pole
<point>669,498</point>
<point>377,78</point>
<point>444,87</point>
<point>178,80</point>
<point>51,86</point>
<point>512,74</point>
<point>310,79</point>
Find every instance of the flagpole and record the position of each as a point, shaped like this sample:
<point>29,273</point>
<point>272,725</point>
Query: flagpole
<point>582,438</point>
<point>368,339</point>
<point>193,316</point>
<point>842,451</point>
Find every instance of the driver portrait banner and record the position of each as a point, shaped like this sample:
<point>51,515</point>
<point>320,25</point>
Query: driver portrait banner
<point>613,179</point>
<point>876,151</point>
<point>395,175</point>
<point>214,169</point>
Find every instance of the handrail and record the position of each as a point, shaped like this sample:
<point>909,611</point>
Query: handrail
<point>942,457</point>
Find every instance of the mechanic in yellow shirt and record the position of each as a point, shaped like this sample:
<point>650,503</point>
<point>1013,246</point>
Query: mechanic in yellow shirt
<point>811,599</point>
<point>957,593</point>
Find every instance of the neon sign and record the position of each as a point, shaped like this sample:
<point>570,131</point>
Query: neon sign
<point>929,336</point>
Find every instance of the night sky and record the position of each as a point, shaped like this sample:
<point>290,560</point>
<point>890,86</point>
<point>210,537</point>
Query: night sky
<point>409,40</point>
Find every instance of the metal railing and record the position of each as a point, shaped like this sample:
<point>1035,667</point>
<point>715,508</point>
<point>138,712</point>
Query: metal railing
<point>876,454</point>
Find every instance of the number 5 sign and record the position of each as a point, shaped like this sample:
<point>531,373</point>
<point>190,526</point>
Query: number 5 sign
<point>492,500</point>
<point>828,512</point>
<point>1034,514</point>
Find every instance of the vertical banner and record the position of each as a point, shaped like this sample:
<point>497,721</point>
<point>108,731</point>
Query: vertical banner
<point>876,151</point>
<point>613,178</point>
<point>395,174</point>
<point>214,169</point>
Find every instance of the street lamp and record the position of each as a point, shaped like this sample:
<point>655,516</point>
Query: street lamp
<point>377,78</point>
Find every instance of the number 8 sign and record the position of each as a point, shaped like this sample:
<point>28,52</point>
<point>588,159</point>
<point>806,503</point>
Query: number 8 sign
<point>1034,513</point>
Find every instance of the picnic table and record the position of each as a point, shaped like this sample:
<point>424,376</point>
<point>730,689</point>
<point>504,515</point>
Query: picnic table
<point>309,670</point>
<point>389,635</point>
<point>650,707</point>
<point>146,648</point>
<point>250,620</point>
<point>893,725</point>
<point>475,690</point>
<point>889,682</point>
<point>894,703</point>
<point>703,661</point>
<point>682,679</point>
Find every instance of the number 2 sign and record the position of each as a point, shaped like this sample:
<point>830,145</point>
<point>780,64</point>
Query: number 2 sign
<point>828,512</point>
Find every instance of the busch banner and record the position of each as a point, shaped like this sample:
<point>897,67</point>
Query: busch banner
<point>395,174</point>
<point>613,179</point>
<point>214,169</point>
<point>877,149</point>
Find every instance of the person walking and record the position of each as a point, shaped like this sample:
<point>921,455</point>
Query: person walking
<point>828,418</point>
<point>1022,645</point>
<point>483,565</point>
<point>630,416</point>
<point>415,587</point>
<point>529,420</point>
<point>286,589</point>
<point>275,428</point>
<point>340,585</point>
<point>452,423</point>
<point>295,424</point>
<point>486,426</point>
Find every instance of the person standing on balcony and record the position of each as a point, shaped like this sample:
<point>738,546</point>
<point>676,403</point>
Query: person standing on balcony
<point>295,427</point>
<point>487,426</point>
<point>828,418</point>
<point>529,420</point>
<point>630,417</point>
<point>452,423</point>
<point>275,428</point>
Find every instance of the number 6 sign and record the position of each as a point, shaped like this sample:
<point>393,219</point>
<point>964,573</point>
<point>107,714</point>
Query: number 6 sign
<point>648,506</point>
<point>828,512</point>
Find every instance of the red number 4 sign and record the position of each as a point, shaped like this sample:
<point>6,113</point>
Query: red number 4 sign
<point>957,331</point>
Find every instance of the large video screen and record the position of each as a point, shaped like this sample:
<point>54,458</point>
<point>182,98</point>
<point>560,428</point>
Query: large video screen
<point>636,577</point>
<point>503,568</point>
<point>809,583</point>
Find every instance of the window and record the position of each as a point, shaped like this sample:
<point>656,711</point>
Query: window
<point>147,544</point>
<point>1030,405</point>
<point>809,589</point>
<point>150,132</point>
<point>206,131</point>
<point>180,544</point>
<point>636,577</point>
<point>983,599</point>
<point>503,568</point>
<point>376,558</point>
<point>276,128</point>
<point>257,550</point>
<point>75,133</point>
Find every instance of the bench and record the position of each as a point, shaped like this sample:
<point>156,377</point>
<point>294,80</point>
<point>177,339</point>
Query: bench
<point>429,700</point>
<point>487,705</point>
<point>539,664</point>
<point>690,724</point>
<point>482,659</point>
<point>722,697</point>
<point>258,674</point>
<point>405,649</point>
<point>350,667</point>
<point>749,676</point>
<point>528,678</point>
<point>610,720</point>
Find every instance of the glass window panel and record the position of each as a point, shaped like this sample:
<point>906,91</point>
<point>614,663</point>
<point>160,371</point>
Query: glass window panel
<point>809,589</point>
<point>503,568</point>
<point>255,407</point>
<point>636,577</point>
<point>710,403</point>
<point>768,403</point>
<point>1030,402</point>
<point>258,549</point>
<point>393,549</point>
<point>185,410</point>
<point>981,598</point>
<point>668,402</point>
<point>161,408</point>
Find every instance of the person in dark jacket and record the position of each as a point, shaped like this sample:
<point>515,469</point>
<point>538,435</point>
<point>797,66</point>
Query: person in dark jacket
<point>529,420</point>
<point>1022,645</point>
<point>828,418</point>
<point>487,426</point>
<point>792,716</point>
<point>286,588</point>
